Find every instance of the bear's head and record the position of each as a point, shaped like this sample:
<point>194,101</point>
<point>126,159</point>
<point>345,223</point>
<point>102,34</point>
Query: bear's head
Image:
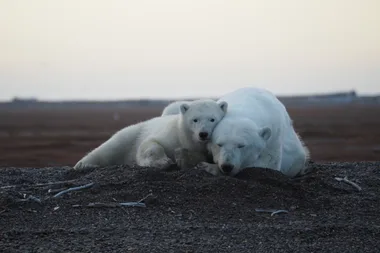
<point>201,116</point>
<point>234,141</point>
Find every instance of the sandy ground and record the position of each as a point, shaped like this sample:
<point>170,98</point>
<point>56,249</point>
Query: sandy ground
<point>39,138</point>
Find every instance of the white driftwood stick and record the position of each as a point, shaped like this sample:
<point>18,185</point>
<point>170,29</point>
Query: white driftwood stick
<point>345,180</point>
<point>30,198</point>
<point>147,196</point>
<point>112,204</point>
<point>136,204</point>
<point>279,211</point>
<point>38,185</point>
<point>271,211</point>
<point>73,189</point>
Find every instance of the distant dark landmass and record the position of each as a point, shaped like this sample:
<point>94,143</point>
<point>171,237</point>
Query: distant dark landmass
<point>339,98</point>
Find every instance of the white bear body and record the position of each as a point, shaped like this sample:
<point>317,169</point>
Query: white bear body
<point>121,148</point>
<point>295,154</point>
<point>256,132</point>
<point>153,142</point>
<point>173,108</point>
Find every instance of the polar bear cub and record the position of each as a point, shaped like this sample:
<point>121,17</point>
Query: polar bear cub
<point>173,108</point>
<point>153,143</point>
<point>256,132</point>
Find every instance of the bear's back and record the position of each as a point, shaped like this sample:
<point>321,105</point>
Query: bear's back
<point>257,104</point>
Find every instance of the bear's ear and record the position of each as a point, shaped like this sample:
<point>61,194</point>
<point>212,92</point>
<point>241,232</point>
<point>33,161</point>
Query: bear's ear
<point>265,133</point>
<point>183,108</point>
<point>223,105</point>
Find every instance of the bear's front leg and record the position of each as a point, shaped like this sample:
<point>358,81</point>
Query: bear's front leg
<point>210,168</point>
<point>186,159</point>
<point>270,158</point>
<point>152,154</point>
<point>82,166</point>
<point>88,161</point>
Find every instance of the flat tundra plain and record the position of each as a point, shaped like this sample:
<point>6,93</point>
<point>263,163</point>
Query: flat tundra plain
<point>186,211</point>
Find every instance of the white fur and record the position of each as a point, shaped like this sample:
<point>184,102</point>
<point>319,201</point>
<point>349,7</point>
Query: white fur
<point>173,108</point>
<point>256,132</point>
<point>153,143</point>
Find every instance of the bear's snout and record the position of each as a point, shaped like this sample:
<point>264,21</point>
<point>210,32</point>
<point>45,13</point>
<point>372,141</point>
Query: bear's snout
<point>203,135</point>
<point>226,168</point>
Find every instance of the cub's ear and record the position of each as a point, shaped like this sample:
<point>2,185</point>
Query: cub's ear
<point>183,108</point>
<point>265,133</point>
<point>223,105</point>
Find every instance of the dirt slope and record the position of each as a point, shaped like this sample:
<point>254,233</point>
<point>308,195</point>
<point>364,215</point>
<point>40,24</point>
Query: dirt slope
<point>191,211</point>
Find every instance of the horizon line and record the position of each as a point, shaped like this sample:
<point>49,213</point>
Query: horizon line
<point>36,99</point>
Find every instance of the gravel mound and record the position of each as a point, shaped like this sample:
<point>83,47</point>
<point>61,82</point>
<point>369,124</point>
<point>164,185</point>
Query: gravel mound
<point>190,210</point>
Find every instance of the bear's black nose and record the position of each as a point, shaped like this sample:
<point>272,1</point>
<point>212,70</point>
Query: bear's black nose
<point>203,135</point>
<point>227,168</point>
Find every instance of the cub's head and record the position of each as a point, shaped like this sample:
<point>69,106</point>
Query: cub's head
<point>236,141</point>
<point>201,116</point>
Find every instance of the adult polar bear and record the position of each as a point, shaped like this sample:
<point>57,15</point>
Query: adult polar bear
<point>154,143</point>
<point>256,132</point>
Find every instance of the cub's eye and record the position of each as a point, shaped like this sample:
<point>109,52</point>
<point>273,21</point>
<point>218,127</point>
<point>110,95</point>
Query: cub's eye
<point>241,146</point>
<point>212,120</point>
<point>195,120</point>
<point>220,144</point>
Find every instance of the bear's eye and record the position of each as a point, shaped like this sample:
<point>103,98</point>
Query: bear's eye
<point>219,144</point>
<point>241,146</point>
<point>195,120</point>
<point>212,120</point>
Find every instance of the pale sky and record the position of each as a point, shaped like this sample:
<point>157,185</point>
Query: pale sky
<point>88,49</point>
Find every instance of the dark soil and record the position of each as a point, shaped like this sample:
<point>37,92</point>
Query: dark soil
<point>191,211</point>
